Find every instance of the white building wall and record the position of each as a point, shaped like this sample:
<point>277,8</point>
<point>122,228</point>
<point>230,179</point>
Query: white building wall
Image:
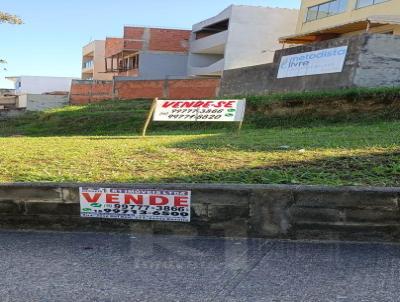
<point>251,39</point>
<point>254,33</point>
<point>39,85</point>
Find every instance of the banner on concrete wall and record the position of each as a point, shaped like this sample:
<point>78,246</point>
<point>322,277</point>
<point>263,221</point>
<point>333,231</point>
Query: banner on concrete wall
<point>330,60</point>
<point>135,204</point>
<point>200,110</point>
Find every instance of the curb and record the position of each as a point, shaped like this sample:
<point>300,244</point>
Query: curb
<point>227,210</point>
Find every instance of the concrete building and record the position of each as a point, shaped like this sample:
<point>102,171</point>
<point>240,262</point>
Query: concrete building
<point>239,36</point>
<point>337,44</point>
<point>321,20</point>
<point>148,53</point>
<point>93,61</point>
<point>371,60</point>
<point>40,84</point>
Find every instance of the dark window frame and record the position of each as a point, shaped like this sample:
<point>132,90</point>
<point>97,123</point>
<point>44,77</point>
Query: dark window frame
<point>374,2</point>
<point>318,6</point>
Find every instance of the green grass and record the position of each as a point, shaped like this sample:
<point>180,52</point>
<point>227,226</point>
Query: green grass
<point>352,94</point>
<point>100,143</point>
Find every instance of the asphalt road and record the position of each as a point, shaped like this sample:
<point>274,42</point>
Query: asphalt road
<point>113,267</point>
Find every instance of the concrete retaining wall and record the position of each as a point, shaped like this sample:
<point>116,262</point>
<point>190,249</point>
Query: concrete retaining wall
<point>372,61</point>
<point>40,102</point>
<point>292,212</point>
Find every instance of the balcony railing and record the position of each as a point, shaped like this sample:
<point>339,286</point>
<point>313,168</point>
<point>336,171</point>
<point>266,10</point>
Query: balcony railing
<point>210,44</point>
<point>214,69</point>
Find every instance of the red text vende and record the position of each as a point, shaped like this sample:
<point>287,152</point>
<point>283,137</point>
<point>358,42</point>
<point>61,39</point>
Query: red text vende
<point>199,104</point>
<point>136,199</point>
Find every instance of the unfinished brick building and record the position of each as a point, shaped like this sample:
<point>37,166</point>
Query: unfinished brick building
<point>145,63</point>
<point>148,53</point>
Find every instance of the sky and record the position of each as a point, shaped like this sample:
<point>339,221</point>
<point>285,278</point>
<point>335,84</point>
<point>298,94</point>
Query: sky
<point>50,41</point>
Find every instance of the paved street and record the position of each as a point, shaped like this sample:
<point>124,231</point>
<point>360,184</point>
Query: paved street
<point>108,267</point>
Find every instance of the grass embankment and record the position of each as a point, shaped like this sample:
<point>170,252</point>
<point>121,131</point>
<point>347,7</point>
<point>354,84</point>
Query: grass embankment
<point>100,143</point>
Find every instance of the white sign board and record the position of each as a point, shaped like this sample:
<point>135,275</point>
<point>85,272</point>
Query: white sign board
<point>200,110</point>
<point>138,204</point>
<point>323,61</point>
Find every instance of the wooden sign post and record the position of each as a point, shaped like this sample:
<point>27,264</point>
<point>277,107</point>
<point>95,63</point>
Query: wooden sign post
<point>240,127</point>
<point>149,117</point>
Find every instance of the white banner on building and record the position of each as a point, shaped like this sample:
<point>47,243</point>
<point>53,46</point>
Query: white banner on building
<point>330,60</point>
<point>137,204</point>
<point>200,110</point>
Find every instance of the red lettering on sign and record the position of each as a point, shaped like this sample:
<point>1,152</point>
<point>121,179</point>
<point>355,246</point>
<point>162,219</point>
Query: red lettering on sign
<point>198,104</point>
<point>187,104</point>
<point>202,104</point>
<point>181,201</point>
<point>112,198</point>
<point>219,104</point>
<point>138,200</point>
<point>168,104</point>
<point>158,200</point>
<point>229,104</point>
<point>93,199</point>
<point>224,104</point>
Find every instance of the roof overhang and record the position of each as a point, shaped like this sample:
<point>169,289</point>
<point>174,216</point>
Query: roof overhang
<point>338,30</point>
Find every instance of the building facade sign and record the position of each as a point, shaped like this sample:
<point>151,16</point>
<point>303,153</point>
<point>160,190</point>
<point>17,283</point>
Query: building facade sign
<point>330,60</point>
<point>136,204</point>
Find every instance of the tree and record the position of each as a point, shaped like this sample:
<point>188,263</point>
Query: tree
<point>8,18</point>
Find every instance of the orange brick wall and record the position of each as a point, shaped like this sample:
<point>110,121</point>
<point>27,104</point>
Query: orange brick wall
<point>133,45</point>
<point>159,39</point>
<point>83,92</point>
<point>113,46</point>
<point>169,40</point>
<point>193,89</point>
<point>133,32</point>
<point>139,89</point>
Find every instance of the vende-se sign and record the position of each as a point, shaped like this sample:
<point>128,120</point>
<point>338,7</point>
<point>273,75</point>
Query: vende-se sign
<point>139,204</point>
<point>330,60</point>
<point>200,110</point>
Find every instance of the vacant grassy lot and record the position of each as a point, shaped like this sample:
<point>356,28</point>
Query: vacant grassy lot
<point>341,154</point>
<point>100,143</point>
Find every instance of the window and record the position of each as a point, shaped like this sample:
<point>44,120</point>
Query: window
<point>327,9</point>
<point>364,3</point>
<point>323,10</point>
<point>312,13</point>
<point>87,64</point>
